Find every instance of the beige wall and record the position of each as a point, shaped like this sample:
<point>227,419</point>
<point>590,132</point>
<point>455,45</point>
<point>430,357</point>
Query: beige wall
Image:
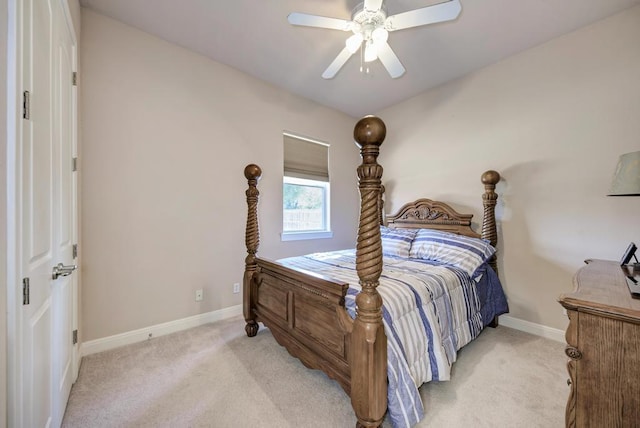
<point>76,11</point>
<point>3,212</point>
<point>553,121</point>
<point>166,134</point>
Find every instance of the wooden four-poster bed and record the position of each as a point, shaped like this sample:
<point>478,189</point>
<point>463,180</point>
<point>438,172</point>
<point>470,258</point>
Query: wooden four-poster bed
<point>306,311</point>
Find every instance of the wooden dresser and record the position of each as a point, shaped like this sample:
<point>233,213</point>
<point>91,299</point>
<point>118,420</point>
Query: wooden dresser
<point>603,346</point>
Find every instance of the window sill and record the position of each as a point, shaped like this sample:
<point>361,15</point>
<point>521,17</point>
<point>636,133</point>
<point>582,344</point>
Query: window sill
<point>299,236</point>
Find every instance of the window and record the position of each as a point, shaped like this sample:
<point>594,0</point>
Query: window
<point>304,203</point>
<point>305,191</point>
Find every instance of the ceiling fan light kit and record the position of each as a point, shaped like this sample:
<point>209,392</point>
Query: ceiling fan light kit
<point>354,42</point>
<point>371,26</point>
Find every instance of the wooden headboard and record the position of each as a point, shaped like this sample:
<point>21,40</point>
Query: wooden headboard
<point>428,214</point>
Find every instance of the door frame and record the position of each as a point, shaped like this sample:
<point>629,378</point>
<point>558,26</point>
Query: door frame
<point>10,387</point>
<point>11,210</point>
<point>6,41</point>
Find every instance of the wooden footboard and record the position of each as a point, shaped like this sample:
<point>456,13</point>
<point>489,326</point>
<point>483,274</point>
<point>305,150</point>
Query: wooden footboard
<point>306,311</point>
<point>306,315</point>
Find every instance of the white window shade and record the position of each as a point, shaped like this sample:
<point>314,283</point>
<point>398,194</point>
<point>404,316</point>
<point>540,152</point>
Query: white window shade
<point>305,159</point>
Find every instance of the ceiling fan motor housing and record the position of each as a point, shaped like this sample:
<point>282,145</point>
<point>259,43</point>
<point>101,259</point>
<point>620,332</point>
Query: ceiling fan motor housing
<point>365,21</point>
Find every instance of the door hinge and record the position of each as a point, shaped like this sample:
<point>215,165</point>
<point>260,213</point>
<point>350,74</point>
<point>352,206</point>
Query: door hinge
<point>25,291</point>
<point>74,78</point>
<point>74,250</point>
<point>26,108</point>
<point>75,337</point>
<point>74,164</point>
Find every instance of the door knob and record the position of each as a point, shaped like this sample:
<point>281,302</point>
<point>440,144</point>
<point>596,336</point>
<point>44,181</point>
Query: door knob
<point>62,270</point>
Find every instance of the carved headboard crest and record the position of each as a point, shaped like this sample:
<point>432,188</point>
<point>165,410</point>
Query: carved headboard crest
<point>428,214</point>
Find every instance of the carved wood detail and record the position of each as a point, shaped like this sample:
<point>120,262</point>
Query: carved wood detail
<point>368,357</point>
<point>381,204</point>
<point>489,199</point>
<point>571,337</point>
<point>426,213</point>
<point>252,173</point>
<point>572,353</point>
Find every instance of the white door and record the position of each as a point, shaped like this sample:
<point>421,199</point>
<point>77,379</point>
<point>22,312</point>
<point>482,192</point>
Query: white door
<point>38,251</point>
<point>46,205</point>
<point>62,288</point>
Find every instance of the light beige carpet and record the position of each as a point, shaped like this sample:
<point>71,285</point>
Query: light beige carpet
<point>215,376</point>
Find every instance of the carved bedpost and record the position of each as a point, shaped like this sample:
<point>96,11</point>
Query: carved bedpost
<point>252,239</point>
<point>368,340</point>
<point>489,198</point>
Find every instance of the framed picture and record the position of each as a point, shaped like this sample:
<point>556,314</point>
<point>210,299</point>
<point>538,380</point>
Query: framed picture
<point>631,250</point>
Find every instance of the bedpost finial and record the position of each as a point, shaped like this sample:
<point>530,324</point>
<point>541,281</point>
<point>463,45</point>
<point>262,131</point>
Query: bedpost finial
<point>369,130</point>
<point>252,172</point>
<point>490,177</point>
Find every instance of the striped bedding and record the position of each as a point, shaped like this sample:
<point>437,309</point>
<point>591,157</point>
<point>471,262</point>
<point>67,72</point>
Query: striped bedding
<point>430,311</point>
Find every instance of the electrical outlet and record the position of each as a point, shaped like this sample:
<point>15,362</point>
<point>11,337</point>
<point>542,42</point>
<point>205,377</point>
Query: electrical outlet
<point>199,295</point>
<point>236,288</point>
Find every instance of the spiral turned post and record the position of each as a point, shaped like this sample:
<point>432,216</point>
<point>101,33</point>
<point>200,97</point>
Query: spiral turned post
<point>252,173</point>
<point>368,340</point>
<point>381,205</point>
<point>489,199</point>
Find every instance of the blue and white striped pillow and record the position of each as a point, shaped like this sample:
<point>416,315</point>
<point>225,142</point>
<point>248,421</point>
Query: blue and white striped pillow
<point>396,242</point>
<point>461,251</point>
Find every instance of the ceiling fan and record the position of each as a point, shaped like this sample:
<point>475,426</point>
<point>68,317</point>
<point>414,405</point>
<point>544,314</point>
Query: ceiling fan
<point>370,26</point>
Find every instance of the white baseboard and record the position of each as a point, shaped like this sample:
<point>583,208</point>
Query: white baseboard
<point>115,341</point>
<point>134,336</point>
<point>533,328</point>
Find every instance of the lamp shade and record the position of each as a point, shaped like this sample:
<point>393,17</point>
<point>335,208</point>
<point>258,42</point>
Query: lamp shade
<point>626,179</point>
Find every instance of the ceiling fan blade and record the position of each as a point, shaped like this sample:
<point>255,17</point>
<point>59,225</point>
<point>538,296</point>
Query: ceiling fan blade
<point>307,20</point>
<point>372,5</point>
<point>388,58</point>
<point>427,15</point>
<point>337,64</point>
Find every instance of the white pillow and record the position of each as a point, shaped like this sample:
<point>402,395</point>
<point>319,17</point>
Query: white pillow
<point>396,242</point>
<point>458,250</point>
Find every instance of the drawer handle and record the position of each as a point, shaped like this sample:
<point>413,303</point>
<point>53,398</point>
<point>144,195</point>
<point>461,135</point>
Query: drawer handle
<point>572,353</point>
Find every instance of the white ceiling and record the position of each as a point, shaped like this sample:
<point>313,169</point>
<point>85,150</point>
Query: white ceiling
<point>255,37</point>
